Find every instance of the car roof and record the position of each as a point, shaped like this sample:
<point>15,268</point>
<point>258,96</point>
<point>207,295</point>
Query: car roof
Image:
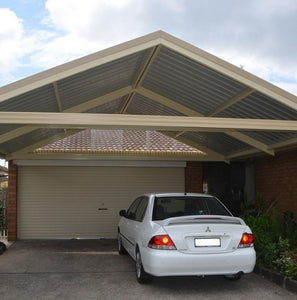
<point>178,195</point>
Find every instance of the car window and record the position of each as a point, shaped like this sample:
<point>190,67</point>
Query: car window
<point>215,207</point>
<point>169,207</point>
<point>131,212</point>
<point>141,209</point>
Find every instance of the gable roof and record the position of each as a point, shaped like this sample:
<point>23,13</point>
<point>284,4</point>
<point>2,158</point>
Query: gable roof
<point>156,82</point>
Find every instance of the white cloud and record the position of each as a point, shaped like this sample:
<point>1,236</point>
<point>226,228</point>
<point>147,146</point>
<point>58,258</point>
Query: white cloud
<point>256,34</point>
<point>11,32</point>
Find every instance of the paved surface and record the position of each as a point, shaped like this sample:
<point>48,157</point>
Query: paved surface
<point>94,270</point>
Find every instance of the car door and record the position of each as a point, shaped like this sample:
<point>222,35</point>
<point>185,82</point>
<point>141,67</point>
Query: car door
<point>133,222</point>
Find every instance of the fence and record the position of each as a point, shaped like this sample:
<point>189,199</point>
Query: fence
<point>3,213</point>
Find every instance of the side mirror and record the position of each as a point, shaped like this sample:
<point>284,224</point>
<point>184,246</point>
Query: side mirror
<point>123,213</point>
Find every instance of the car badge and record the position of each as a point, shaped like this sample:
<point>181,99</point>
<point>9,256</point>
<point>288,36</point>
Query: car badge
<point>207,229</point>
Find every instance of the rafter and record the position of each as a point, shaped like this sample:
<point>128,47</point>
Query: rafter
<point>211,154</point>
<point>189,112</point>
<point>41,143</point>
<point>79,108</point>
<point>231,102</point>
<point>231,71</point>
<point>144,68</point>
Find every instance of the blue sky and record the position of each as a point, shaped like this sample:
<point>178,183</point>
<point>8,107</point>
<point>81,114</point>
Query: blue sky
<point>258,35</point>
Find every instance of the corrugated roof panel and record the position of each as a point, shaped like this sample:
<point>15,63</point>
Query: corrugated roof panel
<point>189,83</point>
<point>29,139</point>
<point>100,80</point>
<point>7,128</point>
<point>41,99</point>
<point>141,105</point>
<point>259,106</point>
<point>219,142</point>
<point>270,138</point>
<point>108,108</point>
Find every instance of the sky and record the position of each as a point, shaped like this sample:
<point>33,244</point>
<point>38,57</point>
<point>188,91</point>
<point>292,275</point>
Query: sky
<point>256,35</point>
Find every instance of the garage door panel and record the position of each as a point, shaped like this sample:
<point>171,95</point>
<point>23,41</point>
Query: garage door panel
<point>83,202</point>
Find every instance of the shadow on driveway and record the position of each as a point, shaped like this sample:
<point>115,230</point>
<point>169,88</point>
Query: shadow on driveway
<point>92,269</point>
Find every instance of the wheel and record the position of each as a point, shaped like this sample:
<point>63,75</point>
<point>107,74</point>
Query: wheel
<point>2,248</point>
<point>121,249</point>
<point>233,277</point>
<point>141,275</point>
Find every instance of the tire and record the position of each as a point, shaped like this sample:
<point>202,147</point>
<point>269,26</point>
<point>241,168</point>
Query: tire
<point>141,275</point>
<point>121,249</point>
<point>233,277</point>
<point>2,248</point>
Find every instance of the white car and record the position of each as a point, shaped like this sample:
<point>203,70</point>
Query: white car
<point>185,234</point>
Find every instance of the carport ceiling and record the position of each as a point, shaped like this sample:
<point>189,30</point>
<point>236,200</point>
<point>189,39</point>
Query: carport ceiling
<point>156,82</point>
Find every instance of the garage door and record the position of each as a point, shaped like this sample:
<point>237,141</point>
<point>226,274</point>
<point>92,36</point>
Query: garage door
<point>83,202</point>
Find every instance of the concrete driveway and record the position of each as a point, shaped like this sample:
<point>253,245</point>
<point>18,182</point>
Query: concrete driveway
<point>80,269</point>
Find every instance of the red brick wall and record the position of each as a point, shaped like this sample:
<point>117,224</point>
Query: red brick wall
<point>12,202</point>
<point>193,177</point>
<point>276,179</point>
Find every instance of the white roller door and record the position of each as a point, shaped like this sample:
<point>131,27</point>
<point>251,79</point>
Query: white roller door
<point>83,202</point>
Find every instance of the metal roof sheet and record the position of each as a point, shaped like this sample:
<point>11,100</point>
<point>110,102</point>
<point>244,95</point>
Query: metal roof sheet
<point>189,83</point>
<point>153,75</point>
<point>99,81</point>
<point>142,105</point>
<point>219,142</point>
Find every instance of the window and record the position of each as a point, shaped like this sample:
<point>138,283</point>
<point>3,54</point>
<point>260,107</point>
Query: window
<point>131,213</point>
<point>137,209</point>
<point>140,212</point>
<point>169,207</point>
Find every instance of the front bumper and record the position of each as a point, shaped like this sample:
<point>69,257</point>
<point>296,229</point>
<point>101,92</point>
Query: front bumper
<point>175,263</point>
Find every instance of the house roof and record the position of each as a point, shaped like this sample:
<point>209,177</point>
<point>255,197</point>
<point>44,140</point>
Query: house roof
<point>156,82</point>
<point>119,142</point>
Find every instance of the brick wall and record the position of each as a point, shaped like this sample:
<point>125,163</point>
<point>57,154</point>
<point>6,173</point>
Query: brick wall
<point>276,179</point>
<point>12,202</point>
<point>193,177</point>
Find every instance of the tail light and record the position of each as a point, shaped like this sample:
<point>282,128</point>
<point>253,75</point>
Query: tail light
<point>247,240</point>
<point>162,242</point>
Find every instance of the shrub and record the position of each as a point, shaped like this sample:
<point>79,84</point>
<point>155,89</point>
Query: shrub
<point>274,240</point>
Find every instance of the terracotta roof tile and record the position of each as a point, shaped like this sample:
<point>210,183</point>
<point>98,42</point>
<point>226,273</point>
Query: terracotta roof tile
<point>109,141</point>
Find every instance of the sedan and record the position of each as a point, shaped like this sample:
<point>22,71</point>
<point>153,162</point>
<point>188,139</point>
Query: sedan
<point>185,234</point>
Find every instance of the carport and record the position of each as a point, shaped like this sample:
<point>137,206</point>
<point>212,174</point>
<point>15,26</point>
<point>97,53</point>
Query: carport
<point>157,83</point>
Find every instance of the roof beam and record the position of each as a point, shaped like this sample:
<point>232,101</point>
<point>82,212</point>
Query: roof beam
<point>231,101</point>
<point>168,102</point>
<point>40,144</point>
<point>230,70</point>
<point>171,123</point>
<point>147,63</point>
<point>211,154</point>
<point>284,144</point>
<point>250,141</point>
<point>57,95</point>
<point>189,112</point>
<point>78,108</point>
<point>79,65</point>
<point>12,134</point>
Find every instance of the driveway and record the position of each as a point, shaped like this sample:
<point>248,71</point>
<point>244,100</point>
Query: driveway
<point>80,269</point>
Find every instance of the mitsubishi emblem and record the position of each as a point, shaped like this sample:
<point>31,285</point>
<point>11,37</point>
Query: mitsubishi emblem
<point>207,229</point>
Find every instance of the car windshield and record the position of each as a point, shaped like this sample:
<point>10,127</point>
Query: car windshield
<point>169,207</point>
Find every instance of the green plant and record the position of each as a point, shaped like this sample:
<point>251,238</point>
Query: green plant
<point>275,238</point>
<point>292,272</point>
<point>283,259</point>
